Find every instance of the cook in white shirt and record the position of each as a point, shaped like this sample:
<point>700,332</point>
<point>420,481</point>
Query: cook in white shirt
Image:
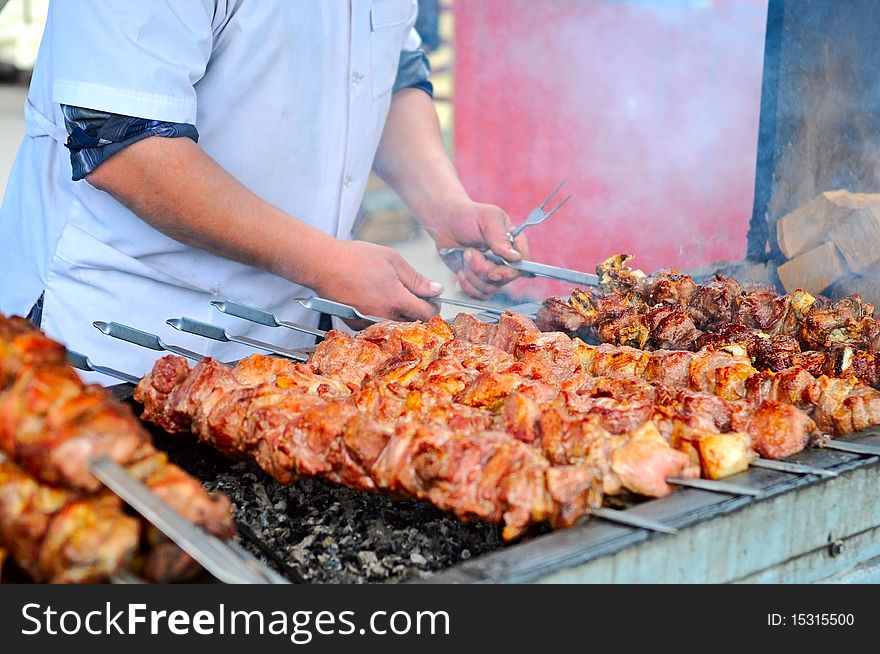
<point>279,110</point>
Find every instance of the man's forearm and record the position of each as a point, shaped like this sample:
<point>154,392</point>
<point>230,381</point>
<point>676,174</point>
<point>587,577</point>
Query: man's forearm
<point>173,185</point>
<point>412,160</point>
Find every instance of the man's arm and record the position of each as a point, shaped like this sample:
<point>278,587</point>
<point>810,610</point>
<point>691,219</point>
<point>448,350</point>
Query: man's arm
<point>177,188</point>
<point>413,161</point>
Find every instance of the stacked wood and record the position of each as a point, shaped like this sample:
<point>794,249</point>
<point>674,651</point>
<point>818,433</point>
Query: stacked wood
<point>833,245</point>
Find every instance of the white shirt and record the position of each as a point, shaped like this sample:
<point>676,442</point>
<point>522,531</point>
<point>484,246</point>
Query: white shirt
<point>316,75</point>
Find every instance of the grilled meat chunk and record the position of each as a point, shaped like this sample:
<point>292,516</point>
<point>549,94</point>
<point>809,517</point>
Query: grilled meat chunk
<point>58,537</point>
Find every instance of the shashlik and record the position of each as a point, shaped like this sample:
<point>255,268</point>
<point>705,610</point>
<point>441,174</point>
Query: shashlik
<point>630,417</point>
<point>669,310</point>
<point>290,433</point>
<point>58,536</point>
<point>51,427</point>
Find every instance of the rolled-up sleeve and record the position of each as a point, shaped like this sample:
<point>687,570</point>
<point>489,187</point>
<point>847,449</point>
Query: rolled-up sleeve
<point>131,57</point>
<point>95,136</point>
<point>414,67</point>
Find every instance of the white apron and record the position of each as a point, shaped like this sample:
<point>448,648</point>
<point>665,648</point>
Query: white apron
<point>288,96</point>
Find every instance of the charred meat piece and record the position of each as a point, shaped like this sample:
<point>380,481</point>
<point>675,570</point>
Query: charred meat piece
<point>257,369</point>
<point>716,302</point>
<point>511,487</point>
<point>557,315</point>
<point>615,275</point>
<point>490,389</point>
<point>669,287</point>
<point>721,370</point>
<point>764,309</point>
<point>613,361</point>
<point>814,363</point>
<point>848,321</point>
<point>859,410</point>
<point>826,395</point>
<point>625,326</point>
<point>700,411</point>
<point>153,390</point>
<point>793,386</point>
<point>566,438</point>
<point>392,337</point>
<point>475,356</point>
<point>671,327</point>
<point>775,352</point>
<point>551,357</point>
<point>845,361</point>
<point>730,334</point>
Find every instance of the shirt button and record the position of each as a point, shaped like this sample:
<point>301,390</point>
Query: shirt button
<point>356,78</point>
<point>347,181</point>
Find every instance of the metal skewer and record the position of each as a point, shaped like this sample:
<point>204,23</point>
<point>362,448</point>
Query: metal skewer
<point>631,520</point>
<point>262,317</point>
<point>144,339</point>
<point>335,309</point>
<point>218,558</point>
<point>852,447</point>
<point>216,333</point>
<point>792,467</point>
<point>487,308</point>
<point>82,362</point>
<point>714,486</point>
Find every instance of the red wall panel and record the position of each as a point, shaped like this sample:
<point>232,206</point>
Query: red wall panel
<point>648,109</point>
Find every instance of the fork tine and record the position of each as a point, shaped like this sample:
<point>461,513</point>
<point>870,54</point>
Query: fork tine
<point>558,206</point>
<point>550,197</point>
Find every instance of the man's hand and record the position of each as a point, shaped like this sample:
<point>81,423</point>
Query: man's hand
<point>476,227</point>
<point>214,212</point>
<point>412,159</point>
<point>376,280</point>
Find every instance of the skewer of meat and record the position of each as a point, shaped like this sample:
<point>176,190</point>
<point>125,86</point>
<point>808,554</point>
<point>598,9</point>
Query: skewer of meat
<point>463,385</point>
<point>291,433</point>
<point>669,310</point>
<point>54,426</point>
<point>59,537</point>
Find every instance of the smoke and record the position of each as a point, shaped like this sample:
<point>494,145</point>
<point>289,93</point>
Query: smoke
<point>649,109</point>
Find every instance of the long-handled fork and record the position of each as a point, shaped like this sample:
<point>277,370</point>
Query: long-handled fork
<point>455,256</point>
<point>539,213</point>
